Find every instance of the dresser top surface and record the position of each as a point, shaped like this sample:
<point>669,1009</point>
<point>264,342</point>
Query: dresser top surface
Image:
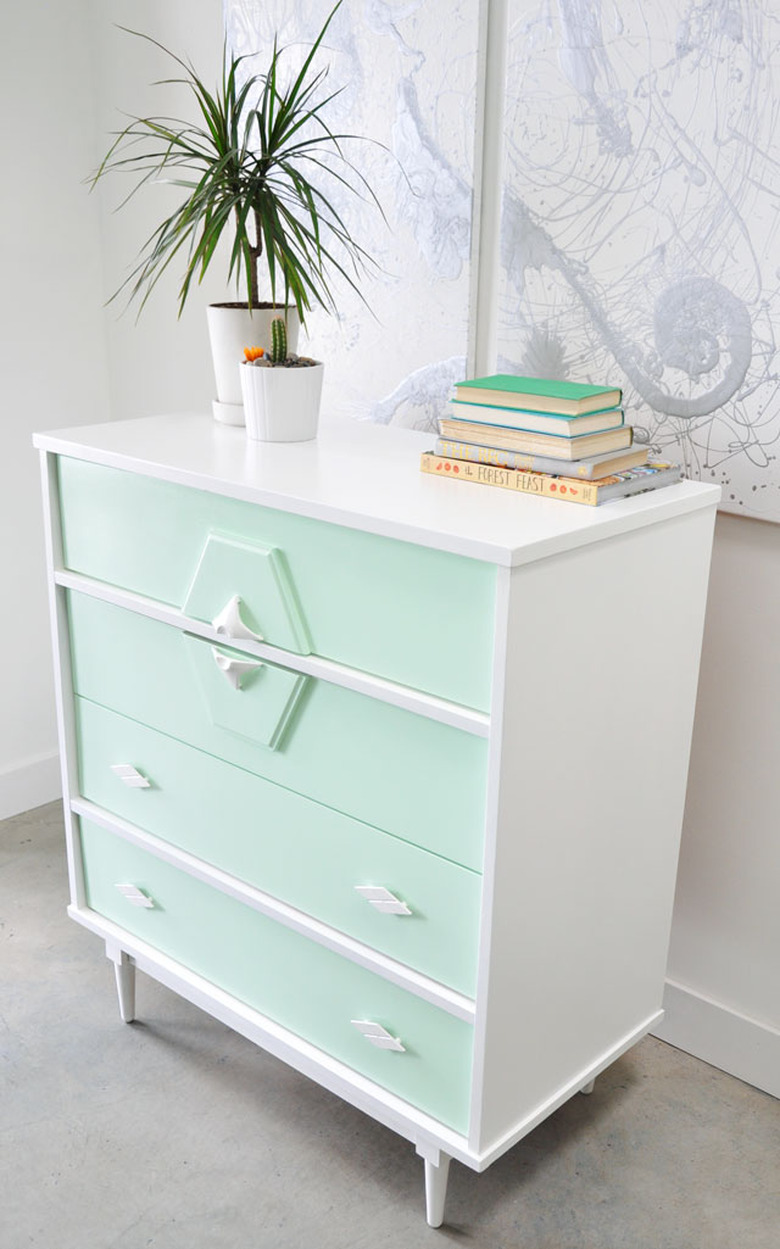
<point>366,476</point>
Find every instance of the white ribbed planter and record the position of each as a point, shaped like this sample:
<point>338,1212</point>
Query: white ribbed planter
<point>231,329</point>
<point>281,405</point>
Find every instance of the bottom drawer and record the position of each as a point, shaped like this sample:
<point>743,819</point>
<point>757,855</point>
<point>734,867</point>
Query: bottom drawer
<point>299,984</point>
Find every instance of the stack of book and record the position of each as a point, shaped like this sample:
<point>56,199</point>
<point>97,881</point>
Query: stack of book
<point>562,440</point>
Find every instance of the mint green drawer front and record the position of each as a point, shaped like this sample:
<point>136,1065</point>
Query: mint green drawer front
<point>421,617</point>
<point>308,855</point>
<point>299,984</point>
<point>415,778</point>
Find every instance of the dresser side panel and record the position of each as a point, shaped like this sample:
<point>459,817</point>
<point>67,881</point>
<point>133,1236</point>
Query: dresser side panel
<point>601,667</point>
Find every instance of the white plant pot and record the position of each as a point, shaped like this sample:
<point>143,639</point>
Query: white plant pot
<point>231,329</point>
<point>281,405</point>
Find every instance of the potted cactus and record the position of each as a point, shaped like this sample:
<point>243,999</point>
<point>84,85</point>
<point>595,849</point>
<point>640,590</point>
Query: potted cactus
<point>281,390</point>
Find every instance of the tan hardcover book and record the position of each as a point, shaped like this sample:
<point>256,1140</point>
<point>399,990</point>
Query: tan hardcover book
<point>545,485</point>
<point>538,444</point>
<point>592,466</point>
<point>535,422</point>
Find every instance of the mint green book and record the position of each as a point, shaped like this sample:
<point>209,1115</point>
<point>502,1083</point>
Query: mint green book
<point>538,394</point>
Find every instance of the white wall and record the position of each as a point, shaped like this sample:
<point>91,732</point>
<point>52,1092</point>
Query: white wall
<point>52,349</point>
<point>157,363</point>
<point>65,359</point>
<point>723,1001</point>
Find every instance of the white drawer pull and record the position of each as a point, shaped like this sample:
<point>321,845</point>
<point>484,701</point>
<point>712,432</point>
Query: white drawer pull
<point>135,896</point>
<point>130,775</point>
<point>229,622</point>
<point>383,900</point>
<point>377,1035</point>
<point>234,669</point>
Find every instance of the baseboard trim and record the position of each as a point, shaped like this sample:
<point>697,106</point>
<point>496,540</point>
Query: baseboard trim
<point>30,784</point>
<point>721,1036</point>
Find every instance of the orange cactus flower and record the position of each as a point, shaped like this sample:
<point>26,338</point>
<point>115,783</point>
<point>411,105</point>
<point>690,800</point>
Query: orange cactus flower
<point>253,353</point>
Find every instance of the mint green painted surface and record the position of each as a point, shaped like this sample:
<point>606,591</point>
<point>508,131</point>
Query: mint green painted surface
<point>416,778</point>
<point>299,984</point>
<point>268,606</point>
<point>293,848</point>
<point>418,616</point>
<point>260,708</point>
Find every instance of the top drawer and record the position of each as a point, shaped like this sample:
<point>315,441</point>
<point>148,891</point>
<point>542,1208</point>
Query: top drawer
<point>411,614</point>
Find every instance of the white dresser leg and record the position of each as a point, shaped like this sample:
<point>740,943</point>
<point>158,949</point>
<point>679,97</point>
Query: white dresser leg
<point>436,1174</point>
<point>589,1087</point>
<point>124,971</point>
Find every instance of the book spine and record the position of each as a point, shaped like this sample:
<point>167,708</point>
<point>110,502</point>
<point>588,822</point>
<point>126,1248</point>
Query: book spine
<point>476,453</point>
<point>540,484</point>
<point>546,424</point>
<point>514,403</point>
<point>552,445</point>
<point>467,409</point>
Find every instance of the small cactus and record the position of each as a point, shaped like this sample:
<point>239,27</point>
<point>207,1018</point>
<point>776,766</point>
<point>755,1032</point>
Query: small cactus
<point>277,356</point>
<point>278,351</point>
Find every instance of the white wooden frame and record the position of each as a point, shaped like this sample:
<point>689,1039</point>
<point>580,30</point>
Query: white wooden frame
<point>485,261</point>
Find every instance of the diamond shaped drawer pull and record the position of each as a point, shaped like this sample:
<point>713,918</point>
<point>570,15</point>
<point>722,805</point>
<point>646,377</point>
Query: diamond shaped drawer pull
<point>377,1035</point>
<point>130,775</point>
<point>383,900</point>
<point>229,623</point>
<point>135,896</point>
<point>234,669</point>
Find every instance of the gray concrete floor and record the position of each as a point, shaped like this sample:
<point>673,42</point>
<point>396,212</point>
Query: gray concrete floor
<point>176,1133</point>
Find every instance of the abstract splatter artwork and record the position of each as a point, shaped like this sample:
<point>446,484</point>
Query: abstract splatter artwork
<point>641,202</point>
<point>407,75</point>
<point>640,222</point>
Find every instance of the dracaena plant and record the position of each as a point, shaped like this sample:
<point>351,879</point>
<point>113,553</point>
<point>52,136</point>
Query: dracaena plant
<point>258,162</point>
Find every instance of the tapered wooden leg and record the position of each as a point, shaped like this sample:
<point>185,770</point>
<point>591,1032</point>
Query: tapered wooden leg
<point>589,1087</point>
<point>436,1175</point>
<point>124,971</point>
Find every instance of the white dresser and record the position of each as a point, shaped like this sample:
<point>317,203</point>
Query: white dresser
<point>385,772</point>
